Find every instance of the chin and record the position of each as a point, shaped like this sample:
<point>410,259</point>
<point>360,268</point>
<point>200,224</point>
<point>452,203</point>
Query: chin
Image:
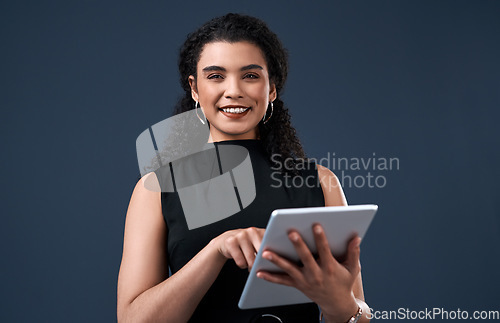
<point>235,131</point>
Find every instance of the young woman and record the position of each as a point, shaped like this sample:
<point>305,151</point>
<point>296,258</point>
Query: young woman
<point>233,70</point>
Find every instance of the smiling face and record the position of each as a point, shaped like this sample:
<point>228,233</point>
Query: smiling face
<point>233,89</point>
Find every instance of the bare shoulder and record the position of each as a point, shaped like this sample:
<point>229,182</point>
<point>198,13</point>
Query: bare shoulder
<point>145,211</point>
<point>145,202</point>
<point>327,178</point>
<point>149,182</point>
<point>332,190</point>
<point>323,171</point>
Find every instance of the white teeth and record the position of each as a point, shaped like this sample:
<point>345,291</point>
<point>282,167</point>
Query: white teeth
<point>235,110</point>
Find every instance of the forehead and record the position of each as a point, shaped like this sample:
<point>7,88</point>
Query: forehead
<point>231,55</point>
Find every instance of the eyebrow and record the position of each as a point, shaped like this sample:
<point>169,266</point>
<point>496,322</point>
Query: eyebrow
<point>244,68</point>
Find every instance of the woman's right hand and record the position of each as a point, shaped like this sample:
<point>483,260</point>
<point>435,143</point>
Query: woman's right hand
<point>241,245</point>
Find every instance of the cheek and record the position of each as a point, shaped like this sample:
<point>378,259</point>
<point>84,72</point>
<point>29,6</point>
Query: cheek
<point>208,92</point>
<point>259,92</point>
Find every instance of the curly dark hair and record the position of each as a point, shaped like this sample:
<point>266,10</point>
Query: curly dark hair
<point>278,136</point>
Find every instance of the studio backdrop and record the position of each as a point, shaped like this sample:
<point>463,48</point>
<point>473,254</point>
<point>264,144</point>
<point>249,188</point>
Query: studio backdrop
<point>399,99</point>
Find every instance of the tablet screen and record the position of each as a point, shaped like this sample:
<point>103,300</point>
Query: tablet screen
<point>340,224</point>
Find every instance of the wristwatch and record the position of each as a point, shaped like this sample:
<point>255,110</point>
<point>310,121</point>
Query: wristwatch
<point>355,318</point>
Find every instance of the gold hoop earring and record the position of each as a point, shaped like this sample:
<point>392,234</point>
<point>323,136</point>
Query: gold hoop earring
<point>196,104</point>
<point>272,110</point>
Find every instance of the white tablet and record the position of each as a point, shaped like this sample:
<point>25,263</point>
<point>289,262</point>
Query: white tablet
<point>340,224</point>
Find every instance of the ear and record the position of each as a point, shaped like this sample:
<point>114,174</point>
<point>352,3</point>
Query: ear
<point>272,92</point>
<point>194,89</point>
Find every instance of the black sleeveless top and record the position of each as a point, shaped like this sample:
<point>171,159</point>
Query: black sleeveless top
<point>220,304</point>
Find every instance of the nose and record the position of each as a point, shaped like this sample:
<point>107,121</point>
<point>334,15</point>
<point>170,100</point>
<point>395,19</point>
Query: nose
<point>233,89</point>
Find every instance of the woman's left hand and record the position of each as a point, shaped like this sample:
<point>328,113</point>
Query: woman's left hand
<point>325,281</point>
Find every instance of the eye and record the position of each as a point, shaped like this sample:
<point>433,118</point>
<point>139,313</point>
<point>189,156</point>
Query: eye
<point>214,76</point>
<point>251,76</point>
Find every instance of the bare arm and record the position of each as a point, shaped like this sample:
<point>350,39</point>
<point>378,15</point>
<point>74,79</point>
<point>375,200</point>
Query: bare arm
<point>144,292</point>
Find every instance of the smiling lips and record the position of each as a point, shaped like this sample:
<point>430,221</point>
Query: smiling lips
<point>234,112</point>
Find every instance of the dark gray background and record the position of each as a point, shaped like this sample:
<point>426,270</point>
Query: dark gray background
<point>418,81</point>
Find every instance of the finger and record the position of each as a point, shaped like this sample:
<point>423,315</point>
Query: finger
<point>303,251</point>
<point>287,266</point>
<point>234,250</point>
<point>352,260</point>
<point>256,236</point>
<point>276,278</point>
<point>324,252</point>
<point>248,249</point>
<point>250,241</point>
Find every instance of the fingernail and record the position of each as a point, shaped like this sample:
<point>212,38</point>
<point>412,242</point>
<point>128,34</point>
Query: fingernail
<point>259,275</point>
<point>318,229</point>
<point>268,256</point>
